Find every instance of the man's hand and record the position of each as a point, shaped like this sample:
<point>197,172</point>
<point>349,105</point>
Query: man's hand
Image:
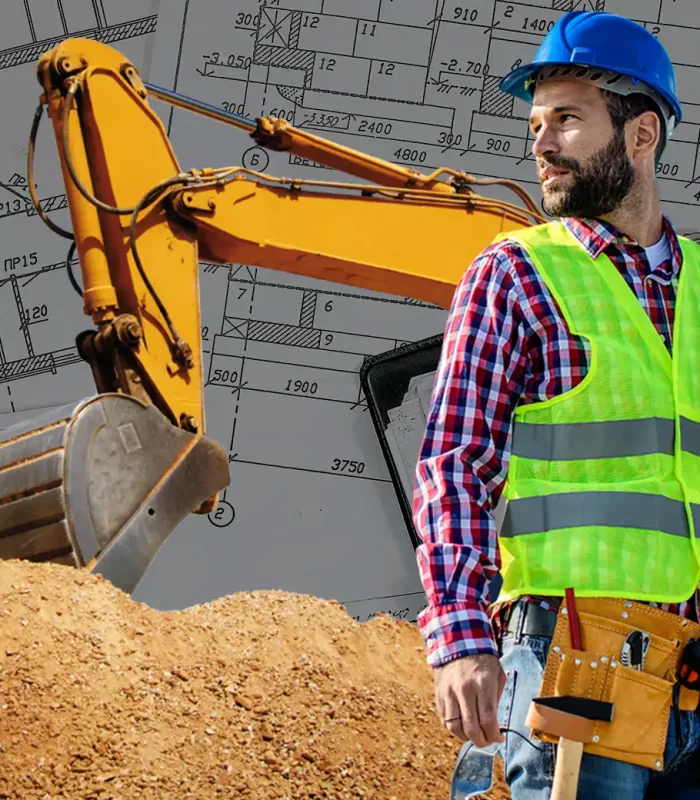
<point>467,693</point>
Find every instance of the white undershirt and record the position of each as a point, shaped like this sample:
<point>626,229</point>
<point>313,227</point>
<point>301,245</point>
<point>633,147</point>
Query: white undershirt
<point>659,252</point>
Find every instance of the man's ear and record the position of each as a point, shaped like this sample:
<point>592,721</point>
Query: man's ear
<point>644,133</point>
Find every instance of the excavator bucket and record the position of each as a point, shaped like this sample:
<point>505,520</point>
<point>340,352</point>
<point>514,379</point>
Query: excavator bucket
<point>101,484</point>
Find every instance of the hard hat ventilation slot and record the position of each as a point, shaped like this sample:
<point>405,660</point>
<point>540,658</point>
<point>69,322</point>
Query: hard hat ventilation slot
<point>581,71</point>
<point>596,76</point>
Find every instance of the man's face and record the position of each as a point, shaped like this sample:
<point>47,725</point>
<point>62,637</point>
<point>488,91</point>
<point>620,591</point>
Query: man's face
<point>582,162</point>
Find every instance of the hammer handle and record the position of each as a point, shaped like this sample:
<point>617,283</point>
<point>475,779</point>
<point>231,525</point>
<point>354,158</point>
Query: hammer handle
<point>567,769</point>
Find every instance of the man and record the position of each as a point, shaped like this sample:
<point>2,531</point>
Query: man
<point>602,94</point>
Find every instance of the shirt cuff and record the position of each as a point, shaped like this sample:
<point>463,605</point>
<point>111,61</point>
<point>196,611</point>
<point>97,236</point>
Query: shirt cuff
<point>454,630</point>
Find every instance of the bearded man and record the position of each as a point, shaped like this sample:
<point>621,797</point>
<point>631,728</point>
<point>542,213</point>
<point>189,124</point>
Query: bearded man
<point>568,384</point>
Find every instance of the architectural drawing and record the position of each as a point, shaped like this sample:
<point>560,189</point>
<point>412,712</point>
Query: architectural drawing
<point>39,312</point>
<point>413,82</point>
<point>311,507</point>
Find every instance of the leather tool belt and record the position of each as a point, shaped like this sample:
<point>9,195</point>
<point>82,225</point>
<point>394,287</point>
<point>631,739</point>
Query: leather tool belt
<point>643,696</point>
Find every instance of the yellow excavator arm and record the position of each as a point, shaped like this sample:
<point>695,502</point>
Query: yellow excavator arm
<point>134,461</point>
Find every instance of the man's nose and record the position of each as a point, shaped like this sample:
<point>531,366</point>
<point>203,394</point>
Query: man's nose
<point>545,143</point>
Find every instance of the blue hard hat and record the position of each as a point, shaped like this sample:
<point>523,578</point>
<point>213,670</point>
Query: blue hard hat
<point>603,41</point>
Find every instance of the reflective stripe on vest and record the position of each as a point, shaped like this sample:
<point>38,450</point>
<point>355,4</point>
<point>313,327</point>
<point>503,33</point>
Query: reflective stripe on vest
<point>690,436</point>
<point>612,439</point>
<point>580,509</point>
<point>579,440</point>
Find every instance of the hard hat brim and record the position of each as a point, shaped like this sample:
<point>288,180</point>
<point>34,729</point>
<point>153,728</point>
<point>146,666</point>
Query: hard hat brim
<point>515,83</point>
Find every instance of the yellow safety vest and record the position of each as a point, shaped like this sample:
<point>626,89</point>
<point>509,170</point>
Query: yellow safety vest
<point>603,486</point>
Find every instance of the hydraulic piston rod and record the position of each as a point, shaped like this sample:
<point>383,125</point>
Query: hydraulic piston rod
<point>279,135</point>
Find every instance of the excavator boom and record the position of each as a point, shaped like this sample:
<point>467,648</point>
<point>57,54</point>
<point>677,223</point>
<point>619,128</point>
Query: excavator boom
<point>140,225</point>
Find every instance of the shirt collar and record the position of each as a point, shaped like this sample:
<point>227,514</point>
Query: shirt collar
<point>596,235</point>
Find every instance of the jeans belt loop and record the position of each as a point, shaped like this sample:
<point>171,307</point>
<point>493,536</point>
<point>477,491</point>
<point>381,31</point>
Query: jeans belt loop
<point>522,616</point>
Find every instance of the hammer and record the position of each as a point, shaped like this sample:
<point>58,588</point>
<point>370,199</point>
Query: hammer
<point>572,719</point>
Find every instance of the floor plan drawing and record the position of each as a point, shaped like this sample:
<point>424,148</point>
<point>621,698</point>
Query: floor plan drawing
<point>40,314</point>
<point>311,507</point>
<point>413,82</point>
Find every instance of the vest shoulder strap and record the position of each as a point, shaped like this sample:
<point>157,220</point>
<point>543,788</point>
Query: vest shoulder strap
<point>690,250</point>
<point>547,232</point>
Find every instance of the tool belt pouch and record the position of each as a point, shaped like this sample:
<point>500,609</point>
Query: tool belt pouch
<point>643,700</point>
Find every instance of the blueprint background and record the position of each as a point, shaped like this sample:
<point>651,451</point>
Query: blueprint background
<point>411,81</point>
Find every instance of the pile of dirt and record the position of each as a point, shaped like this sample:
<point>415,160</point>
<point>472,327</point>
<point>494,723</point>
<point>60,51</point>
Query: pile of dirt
<point>257,695</point>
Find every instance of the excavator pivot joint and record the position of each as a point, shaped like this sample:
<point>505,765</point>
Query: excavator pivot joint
<point>128,330</point>
<point>132,77</point>
<point>189,423</point>
<point>192,201</point>
<point>271,133</point>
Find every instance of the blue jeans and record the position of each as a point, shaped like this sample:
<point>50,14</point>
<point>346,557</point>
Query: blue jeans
<point>529,771</point>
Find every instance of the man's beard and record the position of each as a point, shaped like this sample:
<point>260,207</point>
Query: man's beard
<point>598,187</point>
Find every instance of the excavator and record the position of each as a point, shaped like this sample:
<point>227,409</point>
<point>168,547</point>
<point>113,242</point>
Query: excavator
<point>100,484</point>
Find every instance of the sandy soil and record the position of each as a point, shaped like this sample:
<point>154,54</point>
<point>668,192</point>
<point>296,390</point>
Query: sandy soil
<point>258,695</point>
